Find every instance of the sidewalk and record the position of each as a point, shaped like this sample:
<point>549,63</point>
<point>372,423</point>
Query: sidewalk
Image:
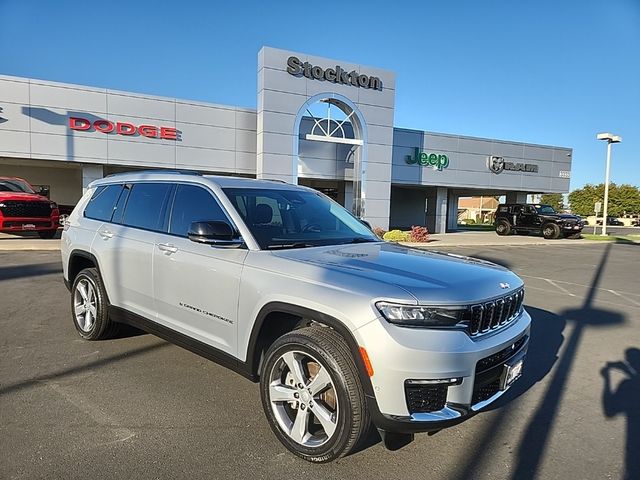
<point>443,240</point>
<point>469,239</point>
<point>27,242</point>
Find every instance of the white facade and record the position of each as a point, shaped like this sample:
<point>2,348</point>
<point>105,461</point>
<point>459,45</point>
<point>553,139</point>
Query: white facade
<point>367,164</point>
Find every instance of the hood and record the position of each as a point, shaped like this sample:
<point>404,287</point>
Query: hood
<point>23,197</point>
<point>561,216</point>
<point>430,277</point>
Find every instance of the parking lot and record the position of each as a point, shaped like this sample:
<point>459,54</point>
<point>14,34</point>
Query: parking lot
<point>138,407</point>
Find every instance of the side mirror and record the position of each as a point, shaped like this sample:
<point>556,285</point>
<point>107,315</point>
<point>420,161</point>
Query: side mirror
<point>216,233</point>
<point>44,191</point>
<point>366,224</point>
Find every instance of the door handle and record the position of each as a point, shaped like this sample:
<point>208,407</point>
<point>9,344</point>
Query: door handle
<point>167,248</point>
<point>106,234</point>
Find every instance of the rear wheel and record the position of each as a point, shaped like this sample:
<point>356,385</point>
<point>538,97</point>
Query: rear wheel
<point>503,227</point>
<point>312,396</point>
<point>47,234</point>
<point>89,306</point>
<point>550,231</point>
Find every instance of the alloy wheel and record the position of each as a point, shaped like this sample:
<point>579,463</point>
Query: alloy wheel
<point>85,305</point>
<point>303,398</point>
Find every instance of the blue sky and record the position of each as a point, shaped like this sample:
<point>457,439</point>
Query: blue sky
<point>549,72</point>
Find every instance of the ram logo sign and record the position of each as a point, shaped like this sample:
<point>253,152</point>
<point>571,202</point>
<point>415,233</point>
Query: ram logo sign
<point>498,165</point>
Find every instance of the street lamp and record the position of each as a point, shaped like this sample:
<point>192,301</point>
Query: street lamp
<point>610,138</point>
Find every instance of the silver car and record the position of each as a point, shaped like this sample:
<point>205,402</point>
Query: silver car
<point>286,287</point>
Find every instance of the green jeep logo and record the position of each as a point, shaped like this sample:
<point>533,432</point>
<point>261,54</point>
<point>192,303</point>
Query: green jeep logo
<point>438,161</point>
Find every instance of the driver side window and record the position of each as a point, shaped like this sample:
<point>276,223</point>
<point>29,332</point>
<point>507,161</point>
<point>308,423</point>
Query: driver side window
<point>193,204</point>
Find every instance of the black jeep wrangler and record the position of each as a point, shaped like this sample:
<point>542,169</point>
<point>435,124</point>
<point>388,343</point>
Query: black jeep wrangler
<point>526,218</point>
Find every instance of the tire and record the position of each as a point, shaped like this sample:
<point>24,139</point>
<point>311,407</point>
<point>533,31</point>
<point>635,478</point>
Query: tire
<point>47,234</point>
<point>319,353</point>
<point>89,309</point>
<point>503,228</point>
<point>550,231</point>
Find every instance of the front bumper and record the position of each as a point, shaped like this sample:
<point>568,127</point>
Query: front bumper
<point>473,369</point>
<point>28,224</point>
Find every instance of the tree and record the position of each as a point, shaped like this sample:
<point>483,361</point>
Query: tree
<point>623,199</point>
<point>553,199</point>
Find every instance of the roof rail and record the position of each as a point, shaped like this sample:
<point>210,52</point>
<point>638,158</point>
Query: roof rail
<point>274,180</point>
<point>158,170</point>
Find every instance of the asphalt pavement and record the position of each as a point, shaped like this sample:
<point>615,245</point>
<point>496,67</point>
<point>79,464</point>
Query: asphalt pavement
<point>138,407</point>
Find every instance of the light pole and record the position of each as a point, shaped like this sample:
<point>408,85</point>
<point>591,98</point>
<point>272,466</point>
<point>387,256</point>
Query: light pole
<point>610,138</point>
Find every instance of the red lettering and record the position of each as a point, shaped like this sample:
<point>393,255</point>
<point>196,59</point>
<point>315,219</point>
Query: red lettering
<point>104,126</point>
<point>168,133</point>
<point>148,131</point>
<point>76,123</point>
<point>125,128</point>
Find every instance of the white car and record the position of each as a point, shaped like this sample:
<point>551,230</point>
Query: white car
<point>286,287</point>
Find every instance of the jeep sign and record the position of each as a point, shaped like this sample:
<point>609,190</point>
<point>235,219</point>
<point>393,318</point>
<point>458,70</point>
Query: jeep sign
<point>335,75</point>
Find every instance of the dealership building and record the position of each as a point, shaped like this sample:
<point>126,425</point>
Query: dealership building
<point>327,124</point>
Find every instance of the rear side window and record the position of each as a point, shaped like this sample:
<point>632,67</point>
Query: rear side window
<point>146,206</point>
<point>193,204</point>
<point>101,205</point>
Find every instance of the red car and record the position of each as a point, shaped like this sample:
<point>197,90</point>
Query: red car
<point>23,210</point>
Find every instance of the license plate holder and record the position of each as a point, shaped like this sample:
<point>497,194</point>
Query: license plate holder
<point>28,226</point>
<point>512,371</point>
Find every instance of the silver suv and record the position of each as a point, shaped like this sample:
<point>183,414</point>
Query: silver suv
<point>286,287</point>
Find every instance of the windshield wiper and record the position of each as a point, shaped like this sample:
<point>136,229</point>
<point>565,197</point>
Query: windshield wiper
<point>362,240</point>
<point>290,245</point>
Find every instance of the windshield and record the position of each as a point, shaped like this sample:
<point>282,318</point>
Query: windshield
<point>294,218</point>
<point>15,185</point>
<point>545,209</point>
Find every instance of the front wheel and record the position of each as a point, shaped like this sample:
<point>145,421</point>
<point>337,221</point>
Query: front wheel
<point>312,396</point>
<point>551,231</point>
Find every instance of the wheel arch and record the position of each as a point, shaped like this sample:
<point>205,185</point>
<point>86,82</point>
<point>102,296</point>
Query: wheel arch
<point>78,261</point>
<point>294,317</point>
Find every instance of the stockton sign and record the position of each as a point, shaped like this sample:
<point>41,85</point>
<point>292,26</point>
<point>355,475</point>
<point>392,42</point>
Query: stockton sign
<point>297,68</point>
<point>122,128</point>
<point>498,165</point>
<point>436,160</point>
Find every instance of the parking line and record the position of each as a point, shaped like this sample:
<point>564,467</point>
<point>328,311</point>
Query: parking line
<point>625,298</point>
<point>562,289</point>
<point>578,285</point>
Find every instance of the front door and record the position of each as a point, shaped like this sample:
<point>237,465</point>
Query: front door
<point>196,286</point>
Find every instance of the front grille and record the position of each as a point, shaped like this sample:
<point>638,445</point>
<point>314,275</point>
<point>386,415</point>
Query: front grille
<point>486,391</point>
<point>16,208</point>
<point>500,357</point>
<point>425,398</point>
<point>489,316</point>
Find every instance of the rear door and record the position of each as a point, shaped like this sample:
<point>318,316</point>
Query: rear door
<point>128,243</point>
<point>196,286</point>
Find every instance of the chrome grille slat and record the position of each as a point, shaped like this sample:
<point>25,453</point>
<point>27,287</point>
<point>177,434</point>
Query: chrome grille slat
<point>490,311</point>
<point>492,315</point>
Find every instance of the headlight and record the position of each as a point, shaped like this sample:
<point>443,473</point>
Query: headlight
<point>53,205</point>
<point>421,316</point>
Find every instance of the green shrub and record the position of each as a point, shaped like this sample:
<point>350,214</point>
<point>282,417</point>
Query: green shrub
<point>396,236</point>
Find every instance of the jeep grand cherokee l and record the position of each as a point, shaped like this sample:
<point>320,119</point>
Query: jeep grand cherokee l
<point>286,287</point>
<point>22,209</point>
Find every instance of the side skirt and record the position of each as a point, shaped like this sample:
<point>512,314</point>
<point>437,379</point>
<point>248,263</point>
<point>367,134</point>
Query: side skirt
<point>121,315</point>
